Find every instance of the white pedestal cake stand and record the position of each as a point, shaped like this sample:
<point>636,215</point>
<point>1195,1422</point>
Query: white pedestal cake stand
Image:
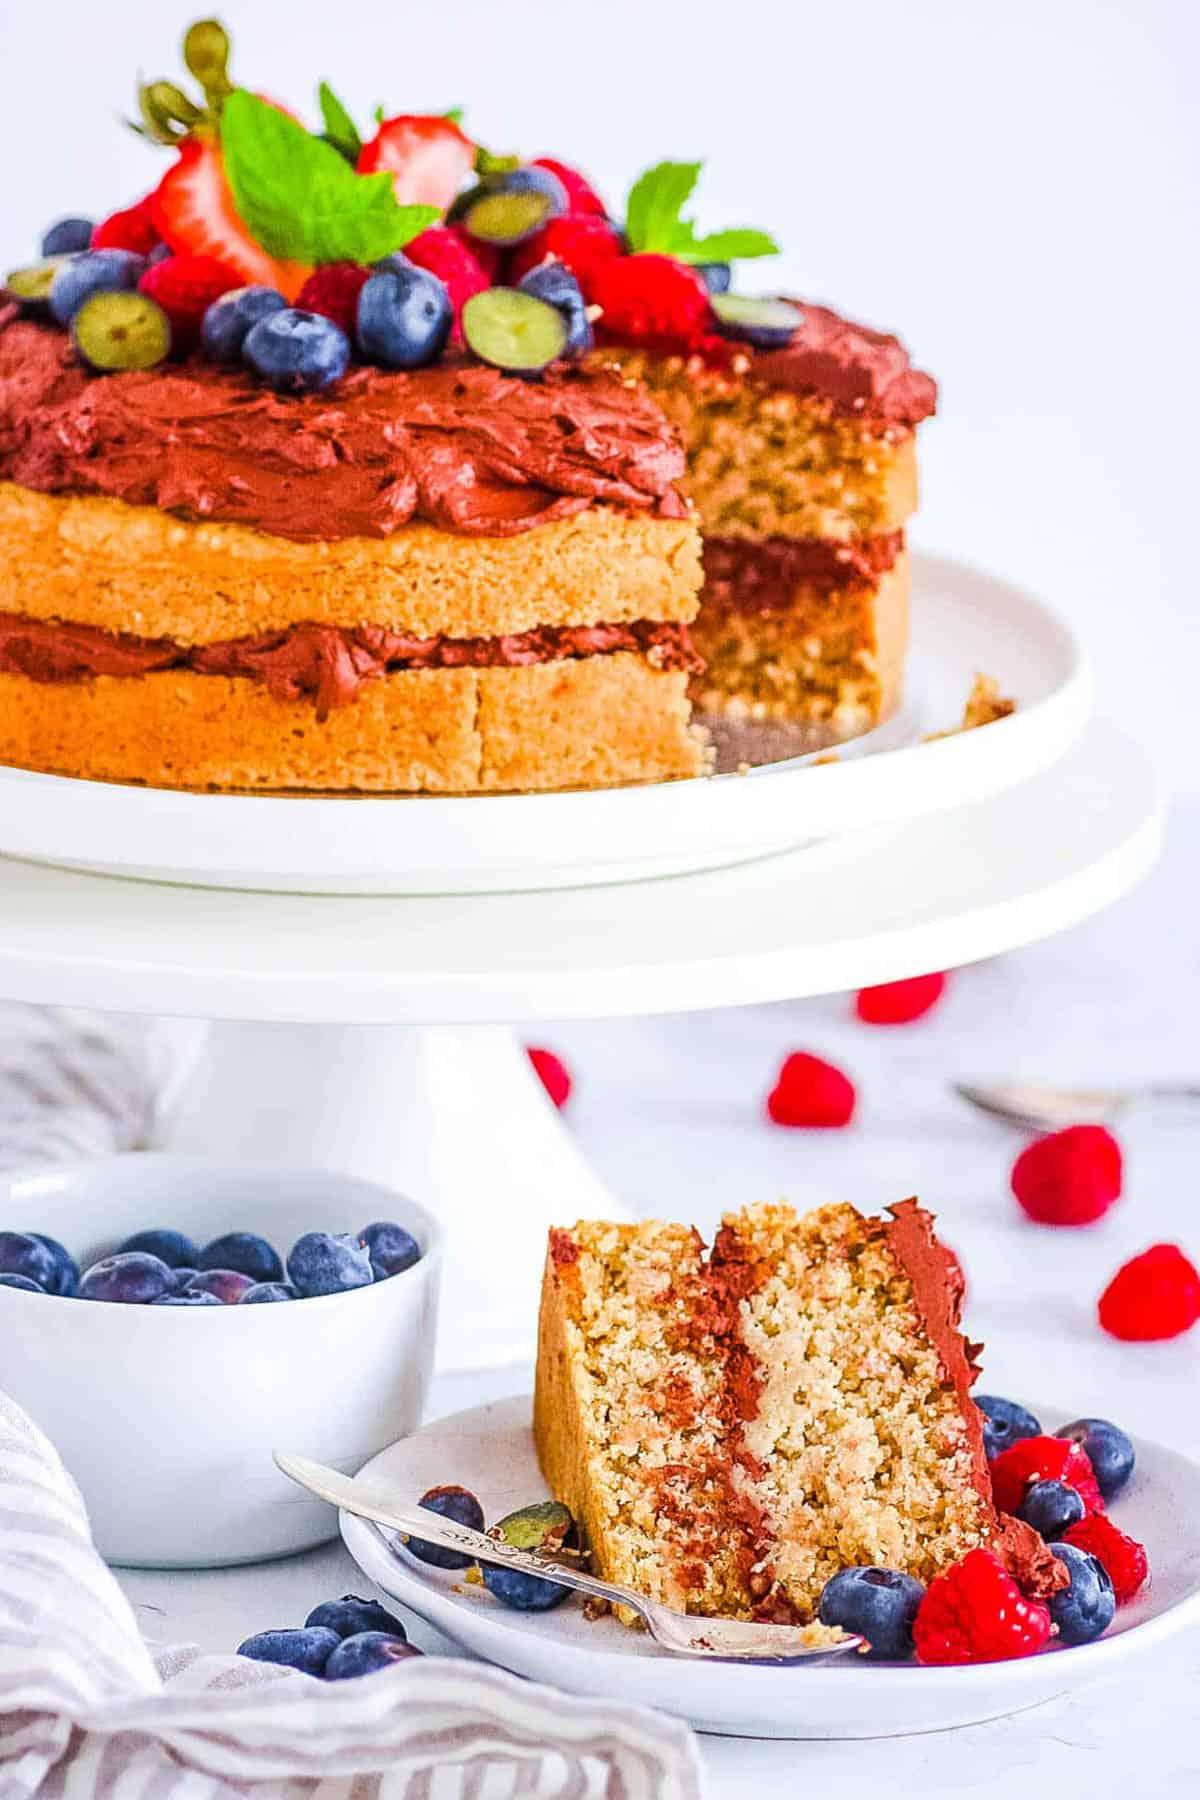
<point>367,1034</point>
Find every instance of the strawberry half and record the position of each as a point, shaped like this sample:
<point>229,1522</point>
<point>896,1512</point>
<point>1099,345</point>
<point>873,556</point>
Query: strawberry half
<point>193,212</point>
<point>428,158</point>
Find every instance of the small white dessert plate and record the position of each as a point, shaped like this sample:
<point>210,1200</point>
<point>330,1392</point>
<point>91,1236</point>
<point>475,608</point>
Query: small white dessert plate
<point>490,1450</point>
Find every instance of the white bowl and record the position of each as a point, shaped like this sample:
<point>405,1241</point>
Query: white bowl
<point>167,1416</point>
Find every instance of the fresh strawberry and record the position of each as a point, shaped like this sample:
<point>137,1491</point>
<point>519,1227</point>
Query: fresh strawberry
<point>580,240</point>
<point>333,290</point>
<point>652,300</point>
<point>194,213</point>
<point>427,156</point>
<point>131,229</point>
<point>185,287</point>
<point>975,1613</point>
<point>447,256</point>
<point>581,195</point>
<point>553,1074</point>
<point>1043,1459</point>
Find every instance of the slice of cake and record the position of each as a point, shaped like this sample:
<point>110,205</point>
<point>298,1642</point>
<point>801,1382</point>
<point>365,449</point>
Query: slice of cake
<point>733,1428</point>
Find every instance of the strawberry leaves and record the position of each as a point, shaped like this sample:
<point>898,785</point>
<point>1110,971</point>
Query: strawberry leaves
<point>654,220</point>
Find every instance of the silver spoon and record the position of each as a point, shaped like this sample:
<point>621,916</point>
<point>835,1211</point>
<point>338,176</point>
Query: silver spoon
<point>1042,1107</point>
<point>676,1631</point>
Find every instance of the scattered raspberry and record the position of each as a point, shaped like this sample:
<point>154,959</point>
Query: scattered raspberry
<point>1156,1295</point>
<point>1071,1177</point>
<point>975,1613</point>
<point>132,229</point>
<point>333,290</point>
<point>581,195</point>
<point>810,1092</point>
<point>900,1002</point>
<point>185,287</point>
<point>445,255</point>
<point>1123,1557</point>
<point>1043,1459</point>
<point>580,240</point>
<point>653,300</point>
<point>553,1073</point>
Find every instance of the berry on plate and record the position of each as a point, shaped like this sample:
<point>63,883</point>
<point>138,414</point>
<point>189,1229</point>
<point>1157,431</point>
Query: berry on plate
<point>581,195</point>
<point>404,316</point>
<point>350,1615</point>
<point>444,252</point>
<point>229,320</point>
<point>333,290</point>
<point>428,157</point>
<point>185,287</point>
<point>651,299</point>
<point>553,1074</point>
<point>1154,1296</point>
<point>1123,1557</point>
<point>1004,1423</point>
<point>900,1002</point>
<point>319,1263</point>
<point>171,1247</point>
<point>580,240</point>
<point>308,1649</point>
<point>1109,1450</point>
<point>1051,1507</point>
<point>975,1613</point>
<point>297,352</point>
<point>545,1526</point>
<point>244,1251</point>
<point>366,1653</point>
<point>1035,1459</point>
<point>810,1092</point>
<point>459,1505</point>
<point>1070,1177</point>
<point>66,236</point>
<point>877,1604</point>
<point>131,229</point>
<point>1080,1612</point>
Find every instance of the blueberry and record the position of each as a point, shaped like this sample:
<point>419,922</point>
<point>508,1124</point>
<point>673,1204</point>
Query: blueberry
<point>30,286</point>
<point>182,1278</point>
<point>227,1285</point>
<point>93,272</point>
<point>321,1264</point>
<point>134,1278</point>
<point>66,1269</point>
<point>390,1247</point>
<point>509,205</point>
<point>305,1649</point>
<point>546,1526</point>
<point>23,1282</point>
<point>524,1593</point>
<point>23,1254</point>
<point>554,283</point>
<point>768,324</point>
<point>171,1247</point>
<point>113,332</point>
<point>297,352</point>
<point>1109,1451</point>
<point>1085,1609</point>
<point>404,317</point>
<point>365,1653</point>
<point>1051,1507</point>
<point>1004,1423</point>
<point>459,1504</point>
<point>263,1293</point>
<point>244,1251</point>
<point>227,321</point>
<point>197,1298</point>
<point>877,1604</point>
<point>715,276</point>
<point>161,253</point>
<point>66,236</point>
<point>349,1616</point>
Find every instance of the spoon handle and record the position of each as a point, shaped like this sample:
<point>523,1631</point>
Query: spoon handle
<point>1174,1090</point>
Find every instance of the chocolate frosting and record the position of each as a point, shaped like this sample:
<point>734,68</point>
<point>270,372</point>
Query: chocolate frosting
<point>459,445</point>
<point>864,372</point>
<point>761,575</point>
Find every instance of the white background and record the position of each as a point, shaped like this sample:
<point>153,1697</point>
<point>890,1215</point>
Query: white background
<point>1011,187</point>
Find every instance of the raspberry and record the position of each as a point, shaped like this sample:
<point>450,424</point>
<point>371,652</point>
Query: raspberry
<point>975,1613</point>
<point>810,1092</point>
<point>131,229</point>
<point>553,1074</point>
<point>488,256</point>
<point>580,240</point>
<point>1122,1556</point>
<point>581,195</point>
<point>333,290</point>
<point>445,255</point>
<point>185,287</point>
<point>653,300</point>
<point>1071,1177</point>
<point>1156,1295</point>
<point>1043,1459</point>
<point>900,1002</point>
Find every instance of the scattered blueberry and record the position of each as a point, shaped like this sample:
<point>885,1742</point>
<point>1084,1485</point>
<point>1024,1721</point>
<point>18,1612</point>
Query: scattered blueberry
<point>1051,1507</point>
<point>349,1616</point>
<point>228,1285</point>
<point>133,1278</point>
<point>524,1593</point>
<point>554,283</point>
<point>404,317</point>
<point>296,352</point>
<point>509,205</point>
<point>244,1251</point>
<point>306,1649</point>
<point>513,330</point>
<point>319,1263</point>
<point>92,272</point>
<point>1004,1423</point>
<point>1085,1609</point>
<point>196,1298</point>
<point>66,236</point>
<point>365,1653</point>
<point>877,1604</point>
<point>715,276</point>
<point>171,1247</point>
<point>390,1248</point>
<point>23,1254</point>
<point>768,324</point>
<point>66,1269</point>
<point>458,1504</point>
<point>228,321</point>
<point>1109,1451</point>
<point>23,1282</point>
<point>546,1526</point>
<point>264,1292</point>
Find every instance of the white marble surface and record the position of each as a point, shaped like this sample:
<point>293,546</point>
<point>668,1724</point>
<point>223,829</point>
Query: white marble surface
<point>670,1112</point>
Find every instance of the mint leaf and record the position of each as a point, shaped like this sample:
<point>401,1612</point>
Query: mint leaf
<point>300,199</point>
<point>340,128</point>
<point>454,114</point>
<point>728,246</point>
<point>654,220</point>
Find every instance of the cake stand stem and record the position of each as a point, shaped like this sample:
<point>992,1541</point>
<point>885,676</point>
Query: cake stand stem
<point>455,1117</point>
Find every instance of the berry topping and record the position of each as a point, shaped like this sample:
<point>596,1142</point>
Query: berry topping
<point>514,331</point>
<point>554,283</point>
<point>1070,1177</point>
<point>404,316</point>
<point>31,286</point>
<point>185,287</point>
<point>1080,1612</point>
<point>66,1269</point>
<point>1109,1451</point>
<point>547,1527</point>
<point>455,262</point>
<point>268,1293</point>
<point>768,324</point>
<point>810,1092</point>
<point>428,158</point>
<point>133,1279</point>
<point>459,1505</point>
<point>333,290</point>
<point>716,276</point>
<point>226,1285</point>
<point>23,1254</point>
<point>308,1649</point>
<point>66,236</point>
<point>1156,1295</point>
<point>581,195</point>
<point>297,352</point>
<point>350,1615</point>
<point>133,229</point>
<point>171,1247</point>
<point>899,1002</point>
<point>1004,1423</point>
<point>1051,1507</point>
<point>366,1653</point>
<point>1036,1459</point>
<point>509,206</point>
<point>194,213</point>
<point>93,272</point>
<point>228,321</point>
<point>1122,1556</point>
<point>112,332</point>
<point>319,1263</point>
<point>877,1604</point>
<point>553,1074</point>
<point>390,1248</point>
<point>975,1613</point>
<point>586,244</point>
<point>244,1251</point>
<point>651,300</point>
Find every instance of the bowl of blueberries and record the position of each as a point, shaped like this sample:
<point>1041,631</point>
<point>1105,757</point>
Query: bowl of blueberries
<point>112,1277</point>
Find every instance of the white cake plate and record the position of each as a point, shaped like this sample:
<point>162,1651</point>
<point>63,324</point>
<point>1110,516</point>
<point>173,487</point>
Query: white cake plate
<point>315,1060</point>
<point>963,621</point>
